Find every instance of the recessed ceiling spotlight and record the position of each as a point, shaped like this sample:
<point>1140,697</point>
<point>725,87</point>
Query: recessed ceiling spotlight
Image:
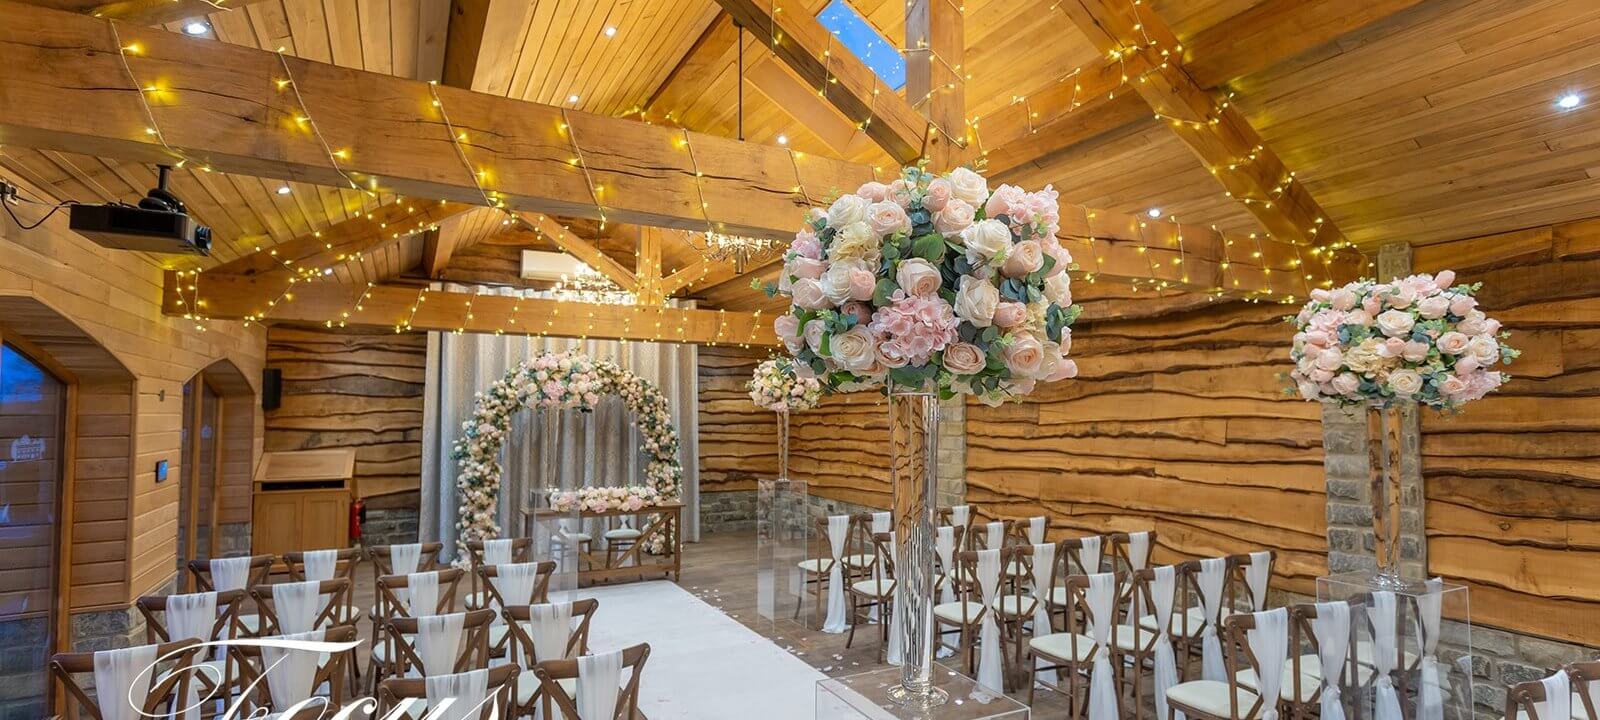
<point>284,190</point>
<point>610,31</point>
<point>195,27</point>
<point>783,139</point>
<point>1154,212</point>
<point>1569,101</point>
<point>572,98</point>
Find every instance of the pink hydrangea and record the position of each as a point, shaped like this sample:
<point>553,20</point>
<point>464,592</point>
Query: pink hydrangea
<point>911,328</point>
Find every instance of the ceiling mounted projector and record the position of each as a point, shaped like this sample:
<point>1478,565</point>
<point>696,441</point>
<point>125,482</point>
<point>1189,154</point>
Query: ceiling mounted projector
<point>158,224</point>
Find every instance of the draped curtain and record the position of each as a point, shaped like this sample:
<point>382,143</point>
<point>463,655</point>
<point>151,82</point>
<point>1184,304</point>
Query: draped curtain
<point>595,449</point>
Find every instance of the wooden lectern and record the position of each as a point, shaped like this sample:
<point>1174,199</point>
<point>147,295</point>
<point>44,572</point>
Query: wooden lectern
<point>302,501</point>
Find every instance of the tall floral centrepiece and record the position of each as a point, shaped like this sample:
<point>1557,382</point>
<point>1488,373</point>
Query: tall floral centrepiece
<point>930,286</point>
<point>1389,347</point>
<point>776,386</point>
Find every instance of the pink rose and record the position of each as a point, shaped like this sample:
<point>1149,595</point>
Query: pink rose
<point>860,310</point>
<point>1003,199</point>
<point>1392,348</point>
<point>1473,323</point>
<point>874,191</point>
<point>1329,359</point>
<point>1359,317</point>
<point>1010,314</point>
<point>804,267</point>
<point>1063,258</point>
<point>1024,355</point>
<point>1453,343</point>
<point>917,276</point>
<point>1320,376</point>
<point>1309,390</point>
<point>1491,326</point>
<point>956,216</point>
<point>862,282</point>
<point>963,358</point>
<point>1345,383</point>
<point>1460,305</point>
<point>813,334</point>
<point>1467,363</point>
<point>887,218</point>
<point>807,294</point>
<point>1433,307</point>
<point>938,194</point>
<point>1445,279</point>
<point>900,193</point>
<point>1342,299</point>
<point>1372,305</point>
<point>1025,257</point>
<point>787,328</point>
<point>1414,351</point>
<point>1453,386</point>
<point>807,245</point>
<point>1400,295</point>
<point>1066,369</point>
<point>893,355</point>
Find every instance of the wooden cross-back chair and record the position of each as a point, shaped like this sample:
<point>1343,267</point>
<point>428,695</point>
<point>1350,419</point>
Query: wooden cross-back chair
<point>388,606</point>
<point>1406,661</point>
<point>502,684</point>
<point>1067,563</point>
<point>816,569</point>
<point>874,591</point>
<point>1206,700</point>
<point>220,673</point>
<point>167,688</point>
<point>1132,641</point>
<point>541,584</point>
<point>558,680</point>
<point>1301,692</point>
<point>1188,621</point>
<point>964,617</point>
<point>946,516</point>
<point>859,554</point>
<point>401,634</point>
<point>1121,554</point>
<point>1524,698</point>
<point>978,534</point>
<point>1073,650</point>
<point>379,556</point>
<point>1237,596</point>
<point>260,570</point>
<point>951,574</point>
<point>331,592</point>
<point>1586,685</point>
<point>521,551</point>
<point>330,672</point>
<point>344,567</point>
<point>519,620</point>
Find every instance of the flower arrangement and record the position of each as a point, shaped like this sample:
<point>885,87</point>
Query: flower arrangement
<point>601,499</point>
<point>556,381</point>
<point>1416,338</point>
<point>777,387</point>
<point>931,282</point>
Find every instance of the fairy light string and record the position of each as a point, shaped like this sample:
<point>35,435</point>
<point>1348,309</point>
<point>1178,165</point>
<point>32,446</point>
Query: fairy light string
<point>594,190</point>
<point>305,118</point>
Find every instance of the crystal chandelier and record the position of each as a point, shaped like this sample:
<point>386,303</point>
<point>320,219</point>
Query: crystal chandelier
<point>588,285</point>
<point>738,249</point>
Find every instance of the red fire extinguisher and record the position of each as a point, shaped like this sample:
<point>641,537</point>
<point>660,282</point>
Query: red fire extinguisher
<point>358,513</point>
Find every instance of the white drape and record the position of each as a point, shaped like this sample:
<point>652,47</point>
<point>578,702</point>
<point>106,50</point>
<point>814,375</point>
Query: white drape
<point>497,551</point>
<point>422,593</point>
<point>995,535</point>
<point>991,673</point>
<point>1384,639</point>
<point>467,693</point>
<point>439,642</point>
<point>1256,575</point>
<point>1331,627</point>
<point>838,532</point>
<point>1036,529</point>
<point>1089,553</point>
<point>880,524</point>
<point>321,564</point>
<point>960,515</point>
<point>602,451</point>
<point>944,544</point>
<point>296,604</point>
<point>1269,642</point>
<point>1044,560</point>
<point>230,573</point>
<point>599,679</point>
<point>1139,550</point>
<point>404,559</point>
<point>1430,699</point>
<point>1102,599</point>
<point>1213,573</point>
<point>191,616</point>
<point>290,671</point>
<point>1557,697</point>
<point>892,654</point>
<point>122,681</point>
<point>1163,591</point>
<point>551,630</point>
<point>515,582</point>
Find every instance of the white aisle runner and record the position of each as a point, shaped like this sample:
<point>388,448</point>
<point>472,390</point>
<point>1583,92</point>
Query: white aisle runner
<point>703,664</point>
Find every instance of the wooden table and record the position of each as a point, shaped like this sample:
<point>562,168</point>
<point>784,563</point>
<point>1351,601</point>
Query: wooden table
<point>666,522</point>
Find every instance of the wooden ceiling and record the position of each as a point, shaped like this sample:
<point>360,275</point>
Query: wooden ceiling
<point>1405,120</point>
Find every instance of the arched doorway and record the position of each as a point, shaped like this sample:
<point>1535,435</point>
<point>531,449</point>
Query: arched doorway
<point>214,463</point>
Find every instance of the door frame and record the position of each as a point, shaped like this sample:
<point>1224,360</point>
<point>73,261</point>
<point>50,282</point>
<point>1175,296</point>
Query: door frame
<point>190,469</point>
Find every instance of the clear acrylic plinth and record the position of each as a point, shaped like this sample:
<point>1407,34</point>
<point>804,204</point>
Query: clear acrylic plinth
<point>782,532</point>
<point>866,695</point>
<point>1450,653</point>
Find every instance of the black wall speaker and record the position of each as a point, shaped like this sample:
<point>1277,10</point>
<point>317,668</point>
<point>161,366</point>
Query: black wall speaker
<point>271,388</point>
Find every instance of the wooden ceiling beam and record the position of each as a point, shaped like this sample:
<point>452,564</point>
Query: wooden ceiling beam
<point>581,249</point>
<point>808,48</point>
<point>482,35</point>
<point>367,232</point>
<point>145,12</point>
<point>1211,126</point>
<point>1273,30</point>
<point>397,307</point>
<point>221,108</point>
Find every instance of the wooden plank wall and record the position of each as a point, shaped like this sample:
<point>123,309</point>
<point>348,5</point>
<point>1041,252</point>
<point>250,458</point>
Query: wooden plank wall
<point>738,441</point>
<point>1513,482</point>
<point>359,390</point>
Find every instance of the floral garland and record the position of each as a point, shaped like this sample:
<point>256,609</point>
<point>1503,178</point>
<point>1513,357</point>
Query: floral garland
<point>1416,338</point>
<point>932,282</point>
<point>556,381</point>
<point>601,499</point>
<point>776,387</point>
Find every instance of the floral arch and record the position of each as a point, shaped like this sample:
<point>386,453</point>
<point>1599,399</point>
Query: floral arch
<point>557,381</point>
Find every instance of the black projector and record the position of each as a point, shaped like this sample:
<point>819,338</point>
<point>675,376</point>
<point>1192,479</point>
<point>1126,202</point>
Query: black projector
<point>158,224</point>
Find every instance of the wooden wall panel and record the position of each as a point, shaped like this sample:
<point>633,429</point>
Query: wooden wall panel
<point>738,441</point>
<point>355,390</point>
<point>1513,482</point>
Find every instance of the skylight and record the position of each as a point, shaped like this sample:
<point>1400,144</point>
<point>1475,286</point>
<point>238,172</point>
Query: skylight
<point>854,33</point>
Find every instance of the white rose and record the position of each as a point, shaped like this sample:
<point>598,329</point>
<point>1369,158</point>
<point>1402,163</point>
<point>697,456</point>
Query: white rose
<point>1396,323</point>
<point>854,349</point>
<point>836,281</point>
<point>1485,349</point>
<point>856,241</point>
<point>969,186</point>
<point>976,301</point>
<point>846,210</point>
<point>1058,289</point>
<point>1405,382</point>
<point>1433,307</point>
<point>986,242</point>
<point>1473,323</point>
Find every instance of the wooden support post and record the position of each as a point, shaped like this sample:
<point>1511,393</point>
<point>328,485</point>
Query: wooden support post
<point>935,81</point>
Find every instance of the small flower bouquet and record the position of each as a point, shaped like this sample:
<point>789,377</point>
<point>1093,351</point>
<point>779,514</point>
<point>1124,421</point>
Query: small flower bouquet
<point>603,499</point>
<point>931,282</point>
<point>775,386</point>
<point>1416,338</point>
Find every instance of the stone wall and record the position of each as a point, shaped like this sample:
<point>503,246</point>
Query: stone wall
<point>728,511</point>
<point>390,526</point>
<point>24,650</point>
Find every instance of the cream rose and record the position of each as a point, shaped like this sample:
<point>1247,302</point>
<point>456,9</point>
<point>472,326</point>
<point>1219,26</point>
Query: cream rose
<point>807,294</point>
<point>1025,257</point>
<point>1405,381</point>
<point>838,282</point>
<point>856,242</point>
<point>963,358</point>
<point>854,350</point>
<point>969,186</point>
<point>1485,349</point>
<point>956,216</point>
<point>1474,323</point>
<point>1024,355</point>
<point>1433,307</point>
<point>873,190</point>
<point>1058,289</point>
<point>976,301</point>
<point>848,209</point>
<point>887,218</point>
<point>917,276</point>
<point>1395,323</point>
<point>1453,343</point>
<point>813,334</point>
<point>987,242</point>
<point>804,267</point>
<point>1342,299</point>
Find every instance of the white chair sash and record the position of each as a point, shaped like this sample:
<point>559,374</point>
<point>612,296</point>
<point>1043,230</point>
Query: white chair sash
<point>990,672</point>
<point>191,616</point>
<point>944,544</point>
<point>1269,642</point>
<point>550,628</point>
<point>1036,529</point>
<point>421,594</point>
<point>296,605</point>
<point>1331,627</point>
<point>995,535</point>
<point>960,515</point>
<point>466,692</point>
<point>1089,553</point>
<point>229,573</point>
<point>1163,592</point>
<point>321,564</point>
<point>497,551</point>
<point>599,680</point>
<point>405,559</point>
<point>121,679</point>
<point>1102,600</point>
<point>1256,576</point>
<point>1213,574</point>
<point>894,652</point>
<point>838,532</point>
<point>515,581</point>
<point>880,522</point>
<point>1044,560</point>
<point>1557,697</point>
<point>290,671</point>
<point>1430,608</point>
<point>1381,613</point>
<point>1139,550</point>
<point>439,642</point>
